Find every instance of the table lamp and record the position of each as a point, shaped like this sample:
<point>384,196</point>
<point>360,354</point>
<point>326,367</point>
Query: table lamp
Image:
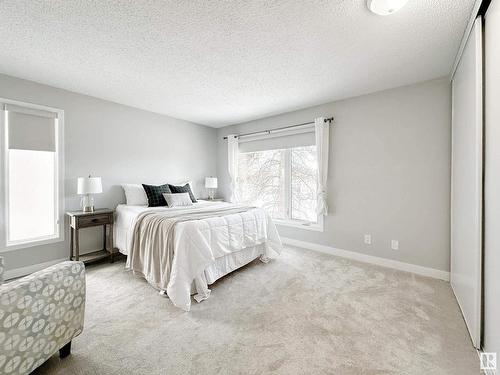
<point>86,187</point>
<point>211,185</point>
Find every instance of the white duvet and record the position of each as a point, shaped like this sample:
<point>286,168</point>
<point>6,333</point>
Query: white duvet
<point>198,243</point>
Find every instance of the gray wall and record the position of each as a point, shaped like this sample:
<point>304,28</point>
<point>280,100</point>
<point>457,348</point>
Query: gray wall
<point>491,338</point>
<point>118,143</point>
<point>389,169</point>
<point>389,172</point>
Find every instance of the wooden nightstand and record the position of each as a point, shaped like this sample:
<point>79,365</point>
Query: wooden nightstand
<point>78,220</point>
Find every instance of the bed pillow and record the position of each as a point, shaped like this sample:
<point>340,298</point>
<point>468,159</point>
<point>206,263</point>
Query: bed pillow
<point>178,199</point>
<point>135,195</point>
<point>155,194</point>
<point>183,189</point>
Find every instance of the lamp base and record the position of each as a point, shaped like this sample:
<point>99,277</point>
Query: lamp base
<point>211,194</point>
<point>87,203</point>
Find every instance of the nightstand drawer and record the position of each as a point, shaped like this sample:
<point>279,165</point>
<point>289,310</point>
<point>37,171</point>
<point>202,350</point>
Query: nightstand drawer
<point>93,220</point>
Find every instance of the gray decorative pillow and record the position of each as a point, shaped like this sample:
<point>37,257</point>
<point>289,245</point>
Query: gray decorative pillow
<point>178,200</point>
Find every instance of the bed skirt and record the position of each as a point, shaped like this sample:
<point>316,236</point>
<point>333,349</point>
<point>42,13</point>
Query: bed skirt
<point>226,264</point>
<point>221,267</point>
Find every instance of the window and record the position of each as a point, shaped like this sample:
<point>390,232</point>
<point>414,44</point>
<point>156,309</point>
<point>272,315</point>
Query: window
<point>303,183</point>
<point>32,187</point>
<point>283,182</point>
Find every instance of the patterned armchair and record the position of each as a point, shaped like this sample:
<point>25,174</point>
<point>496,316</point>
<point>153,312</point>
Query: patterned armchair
<point>39,315</point>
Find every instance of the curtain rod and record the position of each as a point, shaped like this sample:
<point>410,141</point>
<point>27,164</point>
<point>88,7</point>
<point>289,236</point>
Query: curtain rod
<point>329,120</point>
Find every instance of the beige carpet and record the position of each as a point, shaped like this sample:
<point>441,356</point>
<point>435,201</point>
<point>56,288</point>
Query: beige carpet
<point>305,313</point>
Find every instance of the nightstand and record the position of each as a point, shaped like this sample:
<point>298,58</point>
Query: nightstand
<point>77,220</point>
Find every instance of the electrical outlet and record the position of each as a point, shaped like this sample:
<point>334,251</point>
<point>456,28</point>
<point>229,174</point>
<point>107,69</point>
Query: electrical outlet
<point>394,244</point>
<point>368,239</point>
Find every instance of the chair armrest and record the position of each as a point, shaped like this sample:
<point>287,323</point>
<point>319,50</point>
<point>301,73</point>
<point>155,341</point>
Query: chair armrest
<point>41,313</point>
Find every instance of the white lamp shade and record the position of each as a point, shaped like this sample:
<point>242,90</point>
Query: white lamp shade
<point>89,185</point>
<point>211,182</point>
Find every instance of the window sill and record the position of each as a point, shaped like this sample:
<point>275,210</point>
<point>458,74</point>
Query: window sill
<point>316,227</point>
<point>26,244</point>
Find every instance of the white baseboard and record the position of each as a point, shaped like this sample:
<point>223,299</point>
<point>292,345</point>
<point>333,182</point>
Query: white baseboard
<point>23,271</point>
<point>419,270</point>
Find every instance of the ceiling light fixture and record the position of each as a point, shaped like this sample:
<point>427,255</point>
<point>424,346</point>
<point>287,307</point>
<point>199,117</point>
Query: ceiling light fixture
<point>385,7</point>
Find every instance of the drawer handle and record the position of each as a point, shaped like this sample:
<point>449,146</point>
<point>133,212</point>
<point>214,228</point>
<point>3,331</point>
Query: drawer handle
<point>95,220</point>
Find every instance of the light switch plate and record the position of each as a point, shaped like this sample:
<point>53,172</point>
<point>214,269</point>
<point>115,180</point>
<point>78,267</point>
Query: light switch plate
<point>368,239</point>
<point>394,244</point>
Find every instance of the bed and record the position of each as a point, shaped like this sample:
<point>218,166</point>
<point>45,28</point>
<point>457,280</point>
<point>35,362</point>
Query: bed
<point>182,250</point>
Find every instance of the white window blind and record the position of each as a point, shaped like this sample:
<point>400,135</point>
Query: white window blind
<point>31,129</point>
<point>32,186</point>
<point>276,141</point>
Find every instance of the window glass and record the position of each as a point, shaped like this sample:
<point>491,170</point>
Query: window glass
<point>261,181</point>
<point>304,177</point>
<point>283,182</point>
<point>31,195</point>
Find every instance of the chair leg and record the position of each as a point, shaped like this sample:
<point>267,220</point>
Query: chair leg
<point>65,350</point>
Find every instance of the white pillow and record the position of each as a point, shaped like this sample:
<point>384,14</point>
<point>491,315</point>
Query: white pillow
<point>135,194</point>
<point>178,199</point>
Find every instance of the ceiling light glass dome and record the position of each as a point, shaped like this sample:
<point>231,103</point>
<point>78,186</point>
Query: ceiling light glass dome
<point>385,7</point>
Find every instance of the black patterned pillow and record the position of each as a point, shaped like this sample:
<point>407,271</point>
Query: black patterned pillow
<point>183,189</point>
<point>155,194</point>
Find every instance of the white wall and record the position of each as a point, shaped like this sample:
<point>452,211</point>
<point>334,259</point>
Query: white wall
<point>389,172</point>
<point>118,143</point>
<point>491,338</point>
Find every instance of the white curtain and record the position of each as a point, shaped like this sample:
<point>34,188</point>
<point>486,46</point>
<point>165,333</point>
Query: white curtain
<point>232,166</point>
<point>322,132</point>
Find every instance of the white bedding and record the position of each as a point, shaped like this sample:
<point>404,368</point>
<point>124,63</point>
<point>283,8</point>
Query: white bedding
<point>205,249</point>
<point>126,216</point>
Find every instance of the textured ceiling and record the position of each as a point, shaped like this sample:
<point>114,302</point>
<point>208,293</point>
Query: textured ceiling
<point>223,62</point>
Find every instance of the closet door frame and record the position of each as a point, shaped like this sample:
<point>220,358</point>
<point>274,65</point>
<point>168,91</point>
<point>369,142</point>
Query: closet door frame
<point>475,332</point>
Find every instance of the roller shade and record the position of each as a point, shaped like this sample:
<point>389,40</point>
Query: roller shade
<point>277,141</point>
<point>31,129</point>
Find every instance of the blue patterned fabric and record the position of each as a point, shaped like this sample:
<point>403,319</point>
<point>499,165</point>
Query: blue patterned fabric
<point>39,314</point>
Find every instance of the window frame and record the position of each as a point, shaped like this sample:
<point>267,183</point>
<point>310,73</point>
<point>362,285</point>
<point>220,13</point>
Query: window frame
<point>317,226</point>
<point>5,245</point>
<point>301,224</point>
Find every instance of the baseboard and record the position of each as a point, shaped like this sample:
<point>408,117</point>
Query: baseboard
<point>23,271</point>
<point>408,267</point>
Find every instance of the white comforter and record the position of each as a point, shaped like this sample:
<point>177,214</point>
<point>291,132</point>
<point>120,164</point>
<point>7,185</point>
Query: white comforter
<point>199,242</point>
